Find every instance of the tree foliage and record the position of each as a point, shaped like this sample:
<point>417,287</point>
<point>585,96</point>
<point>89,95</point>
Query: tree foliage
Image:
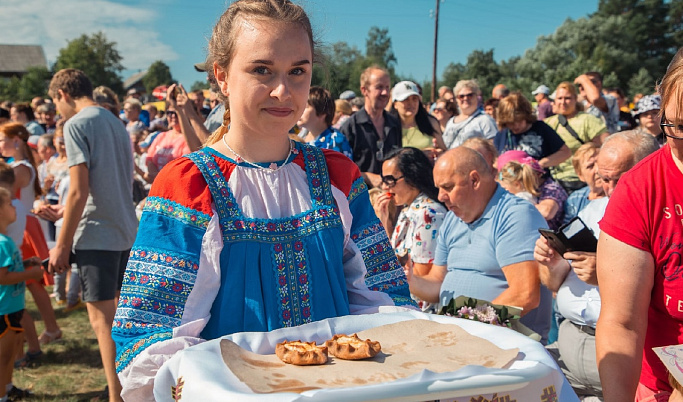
<point>158,73</point>
<point>341,65</point>
<point>33,83</point>
<point>96,57</point>
<point>378,48</point>
<point>200,85</point>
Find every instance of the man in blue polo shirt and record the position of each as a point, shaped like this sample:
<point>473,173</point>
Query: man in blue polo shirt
<point>485,246</point>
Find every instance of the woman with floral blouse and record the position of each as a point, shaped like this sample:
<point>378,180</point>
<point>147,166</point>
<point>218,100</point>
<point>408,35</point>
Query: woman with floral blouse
<point>407,180</point>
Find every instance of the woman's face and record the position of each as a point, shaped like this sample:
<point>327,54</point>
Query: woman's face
<point>403,192</point>
<point>518,127</point>
<point>9,147</point>
<point>307,117</point>
<point>589,173</point>
<point>407,108</point>
<point>650,121</point>
<point>59,144</point>
<point>467,101</point>
<point>565,102</point>
<point>172,117</point>
<point>441,113</point>
<point>269,76</point>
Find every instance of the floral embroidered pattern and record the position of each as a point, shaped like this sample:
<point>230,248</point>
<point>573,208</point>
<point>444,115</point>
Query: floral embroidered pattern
<point>176,211</point>
<point>156,287</point>
<point>290,262</point>
<point>293,283</point>
<point>127,354</point>
<point>274,231</point>
<point>357,188</point>
<point>384,271</point>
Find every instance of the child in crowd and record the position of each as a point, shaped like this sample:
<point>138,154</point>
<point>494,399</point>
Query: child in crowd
<point>16,231</point>
<point>12,289</point>
<point>521,180</point>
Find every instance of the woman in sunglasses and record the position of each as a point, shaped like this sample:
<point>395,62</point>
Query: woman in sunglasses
<point>166,147</point>
<point>407,180</point>
<point>444,111</point>
<point>472,121</point>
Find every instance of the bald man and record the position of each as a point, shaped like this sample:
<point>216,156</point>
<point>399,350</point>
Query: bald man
<point>500,91</point>
<point>485,247</point>
<point>573,275</point>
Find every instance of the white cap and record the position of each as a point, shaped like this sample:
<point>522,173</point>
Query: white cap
<point>403,90</point>
<point>542,89</point>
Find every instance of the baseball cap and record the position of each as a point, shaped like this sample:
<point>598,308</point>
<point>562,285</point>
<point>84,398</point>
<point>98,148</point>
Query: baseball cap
<point>33,141</point>
<point>347,95</point>
<point>403,90</point>
<point>542,89</point>
<point>200,67</point>
<point>647,103</point>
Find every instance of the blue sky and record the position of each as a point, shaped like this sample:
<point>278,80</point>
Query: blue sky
<point>176,31</point>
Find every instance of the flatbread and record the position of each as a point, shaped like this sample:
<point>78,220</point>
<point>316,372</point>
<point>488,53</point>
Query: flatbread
<point>408,347</point>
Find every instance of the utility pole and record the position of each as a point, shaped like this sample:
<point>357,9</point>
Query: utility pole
<point>436,39</point>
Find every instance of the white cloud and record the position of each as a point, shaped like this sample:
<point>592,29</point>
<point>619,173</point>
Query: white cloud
<point>53,23</point>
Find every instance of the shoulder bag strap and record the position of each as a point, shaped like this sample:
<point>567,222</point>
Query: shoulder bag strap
<point>563,121</point>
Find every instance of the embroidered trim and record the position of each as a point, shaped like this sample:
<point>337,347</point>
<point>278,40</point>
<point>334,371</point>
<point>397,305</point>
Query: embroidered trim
<point>129,353</point>
<point>176,211</point>
<point>384,273</point>
<point>281,230</point>
<point>357,188</point>
<point>318,176</point>
<point>173,260</point>
<point>292,274</point>
<point>226,206</point>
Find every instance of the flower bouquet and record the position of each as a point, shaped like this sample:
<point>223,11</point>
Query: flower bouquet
<point>489,313</point>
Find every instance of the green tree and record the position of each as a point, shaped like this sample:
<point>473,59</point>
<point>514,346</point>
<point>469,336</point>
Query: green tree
<point>642,82</point>
<point>336,68</point>
<point>34,83</point>
<point>96,57</point>
<point>378,47</point>
<point>200,85</point>
<point>9,89</point>
<point>158,73</point>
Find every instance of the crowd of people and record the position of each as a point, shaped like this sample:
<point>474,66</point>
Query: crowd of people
<point>271,204</point>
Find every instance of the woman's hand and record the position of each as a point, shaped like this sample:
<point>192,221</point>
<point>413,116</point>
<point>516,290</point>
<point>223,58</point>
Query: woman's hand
<point>50,213</point>
<point>48,182</point>
<point>408,270</point>
<point>383,209</point>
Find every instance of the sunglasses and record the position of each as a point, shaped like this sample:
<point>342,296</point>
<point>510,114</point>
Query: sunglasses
<point>171,113</point>
<point>439,109</point>
<point>390,181</point>
<point>463,96</point>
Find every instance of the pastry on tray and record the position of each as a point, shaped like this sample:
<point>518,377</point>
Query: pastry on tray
<point>301,353</point>
<point>352,348</point>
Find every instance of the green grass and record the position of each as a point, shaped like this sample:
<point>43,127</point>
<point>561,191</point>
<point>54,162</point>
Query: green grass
<point>69,369</point>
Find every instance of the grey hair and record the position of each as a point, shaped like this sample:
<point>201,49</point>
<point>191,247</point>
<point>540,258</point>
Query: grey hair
<point>47,140</point>
<point>642,144</point>
<point>471,84</point>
